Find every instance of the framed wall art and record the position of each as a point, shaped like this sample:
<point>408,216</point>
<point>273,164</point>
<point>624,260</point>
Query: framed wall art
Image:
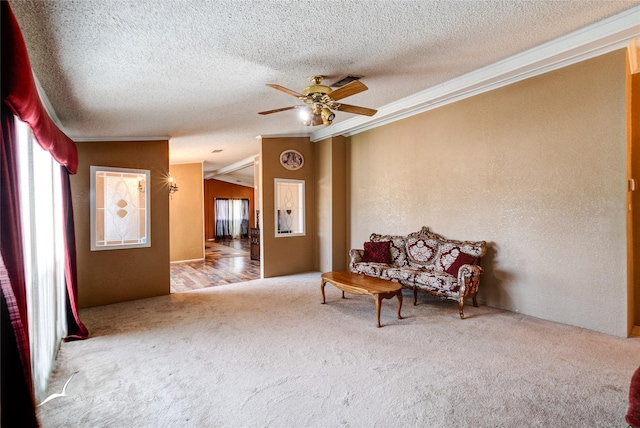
<point>291,159</point>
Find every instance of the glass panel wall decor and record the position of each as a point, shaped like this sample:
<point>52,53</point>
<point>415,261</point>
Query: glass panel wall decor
<point>289,207</point>
<point>119,208</point>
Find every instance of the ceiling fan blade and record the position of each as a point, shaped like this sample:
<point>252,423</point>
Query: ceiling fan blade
<point>285,90</point>
<point>357,110</point>
<point>347,90</point>
<point>277,110</point>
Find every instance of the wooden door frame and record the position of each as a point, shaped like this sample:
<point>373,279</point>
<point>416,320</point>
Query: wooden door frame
<point>633,186</point>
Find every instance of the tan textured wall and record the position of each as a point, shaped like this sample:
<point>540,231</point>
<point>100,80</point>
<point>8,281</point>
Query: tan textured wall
<point>221,189</point>
<point>186,214</point>
<point>294,254</point>
<point>331,201</point>
<point>537,169</point>
<point>324,253</point>
<point>340,249</point>
<point>112,276</point>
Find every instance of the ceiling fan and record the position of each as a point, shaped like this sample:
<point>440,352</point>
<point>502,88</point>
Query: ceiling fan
<point>320,100</point>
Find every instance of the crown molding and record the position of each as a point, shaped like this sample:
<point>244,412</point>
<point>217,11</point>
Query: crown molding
<point>589,42</point>
<point>295,135</point>
<point>120,139</point>
<point>185,163</point>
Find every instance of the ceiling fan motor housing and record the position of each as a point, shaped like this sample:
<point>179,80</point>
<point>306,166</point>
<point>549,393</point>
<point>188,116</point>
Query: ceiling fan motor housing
<point>316,89</point>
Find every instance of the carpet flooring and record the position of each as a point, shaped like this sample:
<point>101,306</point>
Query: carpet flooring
<point>267,353</point>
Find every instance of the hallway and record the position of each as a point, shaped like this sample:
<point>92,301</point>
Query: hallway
<point>226,262</point>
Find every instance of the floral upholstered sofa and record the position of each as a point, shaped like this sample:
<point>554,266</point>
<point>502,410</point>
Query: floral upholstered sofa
<point>424,261</point>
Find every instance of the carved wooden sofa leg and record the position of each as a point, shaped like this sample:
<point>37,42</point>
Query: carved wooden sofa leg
<point>415,295</point>
<point>461,304</point>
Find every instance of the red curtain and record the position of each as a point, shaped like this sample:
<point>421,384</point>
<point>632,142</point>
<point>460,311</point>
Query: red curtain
<point>75,329</point>
<point>20,94</point>
<point>20,98</point>
<point>16,361</point>
<point>17,395</point>
<point>11,228</point>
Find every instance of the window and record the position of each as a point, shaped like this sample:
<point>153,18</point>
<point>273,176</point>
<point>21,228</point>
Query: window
<point>43,244</point>
<point>231,218</point>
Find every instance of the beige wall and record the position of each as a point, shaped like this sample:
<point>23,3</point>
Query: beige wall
<point>332,252</point>
<point>113,276</point>
<point>186,213</point>
<point>537,169</point>
<point>293,254</point>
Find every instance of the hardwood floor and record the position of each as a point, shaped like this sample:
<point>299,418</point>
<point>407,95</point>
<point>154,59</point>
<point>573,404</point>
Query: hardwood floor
<point>226,262</point>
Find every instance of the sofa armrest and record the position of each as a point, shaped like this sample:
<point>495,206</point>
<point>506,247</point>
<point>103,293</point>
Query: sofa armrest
<point>469,279</point>
<point>356,256</point>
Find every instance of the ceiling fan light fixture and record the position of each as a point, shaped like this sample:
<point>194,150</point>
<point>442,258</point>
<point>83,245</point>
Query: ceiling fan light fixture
<point>305,115</point>
<point>327,116</point>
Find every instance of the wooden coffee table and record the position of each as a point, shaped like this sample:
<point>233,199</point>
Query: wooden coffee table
<point>356,283</point>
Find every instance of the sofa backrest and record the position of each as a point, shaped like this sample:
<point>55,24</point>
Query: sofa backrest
<point>425,248</point>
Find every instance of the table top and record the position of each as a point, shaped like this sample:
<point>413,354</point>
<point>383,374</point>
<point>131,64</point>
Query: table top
<point>364,282</point>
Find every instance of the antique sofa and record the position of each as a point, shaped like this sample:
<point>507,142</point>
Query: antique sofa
<point>424,261</point>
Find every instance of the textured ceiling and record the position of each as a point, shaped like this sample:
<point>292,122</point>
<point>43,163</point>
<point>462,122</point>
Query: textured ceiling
<point>195,71</point>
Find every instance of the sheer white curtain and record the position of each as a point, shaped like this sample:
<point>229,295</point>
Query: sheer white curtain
<point>245,218</point>
<point>222,217</point>
<point>232,217</point>
<point>42,225</point>
<point>235,214</point>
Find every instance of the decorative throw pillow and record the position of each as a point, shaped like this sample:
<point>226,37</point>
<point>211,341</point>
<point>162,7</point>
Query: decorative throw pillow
<point>396,247</point>
<point>421,252</point>
<point>377,252</point>
<point>461,259</point>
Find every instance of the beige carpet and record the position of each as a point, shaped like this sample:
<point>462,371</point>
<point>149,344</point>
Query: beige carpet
<point>267,354</point>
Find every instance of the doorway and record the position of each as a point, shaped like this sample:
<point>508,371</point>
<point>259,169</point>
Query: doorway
<point>229,216</point>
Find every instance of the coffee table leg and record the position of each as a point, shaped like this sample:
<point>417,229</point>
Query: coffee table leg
<point>399,304</point>
<point>322,283</point>
<point>378,302</point>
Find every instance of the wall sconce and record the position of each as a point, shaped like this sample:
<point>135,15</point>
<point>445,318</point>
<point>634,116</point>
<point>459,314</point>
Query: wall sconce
<point>173,186</point>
